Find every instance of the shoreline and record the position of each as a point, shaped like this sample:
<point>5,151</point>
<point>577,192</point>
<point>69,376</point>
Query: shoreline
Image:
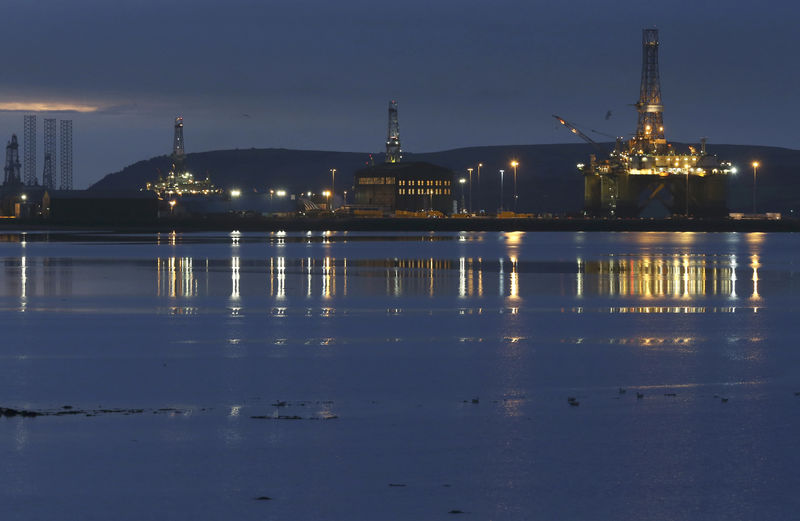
<point>254,224</point>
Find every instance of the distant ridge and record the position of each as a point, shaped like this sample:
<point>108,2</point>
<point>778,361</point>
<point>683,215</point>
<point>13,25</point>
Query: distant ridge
<point>547,177</point>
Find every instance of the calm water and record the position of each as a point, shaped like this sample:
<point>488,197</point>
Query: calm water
<point>440,362</point>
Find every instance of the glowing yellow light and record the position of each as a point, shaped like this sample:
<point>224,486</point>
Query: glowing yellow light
<point>24,197</point>
<point>756,164</point>
<point>281,193</point>
<point>236,193</point>
<point>326,193</point>
<point>514,164</point>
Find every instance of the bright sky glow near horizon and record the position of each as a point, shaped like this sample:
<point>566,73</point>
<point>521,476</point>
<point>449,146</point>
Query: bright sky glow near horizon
<point>310,74</point>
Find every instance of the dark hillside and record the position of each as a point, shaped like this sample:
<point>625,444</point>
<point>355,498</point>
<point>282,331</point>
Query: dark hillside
<point>547,178</point>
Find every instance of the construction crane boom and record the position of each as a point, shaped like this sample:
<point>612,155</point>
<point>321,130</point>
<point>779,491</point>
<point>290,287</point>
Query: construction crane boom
<point>577,132</point>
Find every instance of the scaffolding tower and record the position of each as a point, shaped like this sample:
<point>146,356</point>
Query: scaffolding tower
<point>49,171</point>
<point>66,154</point>
<point>29,150</point>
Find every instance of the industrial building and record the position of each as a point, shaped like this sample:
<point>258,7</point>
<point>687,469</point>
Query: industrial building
<point>397,186</point>
<point>646,175</point>
<point>409,187</point>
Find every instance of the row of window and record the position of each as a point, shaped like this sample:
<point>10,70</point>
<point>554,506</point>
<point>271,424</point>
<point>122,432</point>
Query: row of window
<point>376,180</point>
<point>424,191</point>
<point>424,182</point>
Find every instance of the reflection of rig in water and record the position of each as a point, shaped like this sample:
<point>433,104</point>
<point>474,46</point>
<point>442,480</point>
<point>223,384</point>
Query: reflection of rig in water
<point>677,276</point>
<point>646,175</point>
<point>657,278</point>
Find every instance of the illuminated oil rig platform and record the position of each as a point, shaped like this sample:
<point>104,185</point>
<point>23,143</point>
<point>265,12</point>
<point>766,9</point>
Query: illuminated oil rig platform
<point>645,175</point>
<point>179,182</point>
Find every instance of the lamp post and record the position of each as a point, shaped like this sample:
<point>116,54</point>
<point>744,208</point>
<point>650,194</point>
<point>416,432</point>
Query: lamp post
<point>479,181</point>
<point>501,189</point>
<point>756,164</point>
<point>514,165</point>
<point>333,187</point>
<point>470,189</point>
<point>462,182</point>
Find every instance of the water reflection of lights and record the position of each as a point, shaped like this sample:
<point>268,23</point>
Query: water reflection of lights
<point>177,274</point>
<point>430,277</point>
<point>308,276</point>
<point>23,281</point>
<point>514,280</point>
<point>678,276</point>
<point>501,279</point>
<point>645,278</point>
<point>328,278</point>
<point>235,277</point>
<point>754,264</point>
<point>462,277</point>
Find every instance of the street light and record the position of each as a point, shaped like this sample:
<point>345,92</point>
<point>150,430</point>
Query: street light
<point>501,189</point>
<point>514,165</point>
<point>462,181</point>
<point>479,179</point>
<point>470,189</point>
<point>333,185</point>
<point>756,164</point>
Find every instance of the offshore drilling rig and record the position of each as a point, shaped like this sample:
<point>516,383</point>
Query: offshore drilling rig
<point>646,170</point>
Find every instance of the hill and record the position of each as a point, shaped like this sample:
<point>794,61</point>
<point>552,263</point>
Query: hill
<point>547,177</point>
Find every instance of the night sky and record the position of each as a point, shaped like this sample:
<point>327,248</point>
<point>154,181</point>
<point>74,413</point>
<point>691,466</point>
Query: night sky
<point>319,74</point>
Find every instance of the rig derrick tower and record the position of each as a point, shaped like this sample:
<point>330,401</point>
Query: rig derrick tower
<point>29,147</point>
<point>12,177</point>
<point>393,151</point>
<point>49,171</point>
<point>178,152</point>
<point>649,136</point>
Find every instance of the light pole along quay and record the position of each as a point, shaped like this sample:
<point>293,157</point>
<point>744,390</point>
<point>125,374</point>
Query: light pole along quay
<point>501,189</point>
<point>514,165</point>
<point>756,164</point>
